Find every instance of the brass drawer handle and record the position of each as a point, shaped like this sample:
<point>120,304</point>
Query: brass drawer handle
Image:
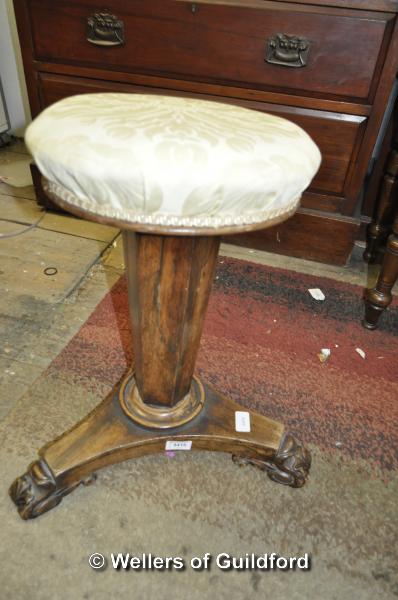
<point>104,29</point>
<point>287,50</point>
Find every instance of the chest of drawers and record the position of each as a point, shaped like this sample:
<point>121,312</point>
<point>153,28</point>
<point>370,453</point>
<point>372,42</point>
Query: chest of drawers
<point>328,65</point>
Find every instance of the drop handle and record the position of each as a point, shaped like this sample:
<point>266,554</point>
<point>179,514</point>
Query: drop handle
<point>287,50</point>
<point>104,29</point>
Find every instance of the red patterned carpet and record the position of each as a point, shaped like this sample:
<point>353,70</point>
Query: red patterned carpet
<point>262,336</point>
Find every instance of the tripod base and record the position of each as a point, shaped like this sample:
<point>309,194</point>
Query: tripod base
<point>108,436</point>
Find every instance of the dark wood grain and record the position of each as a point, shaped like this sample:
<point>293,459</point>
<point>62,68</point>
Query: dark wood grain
<point>384,89</point>
<point>380,226</point>
<point>338,137</point>
<point>377,173</point>
<point>223,91</point>
<point>214,54</point>
<point>218,42</point>
<point>22,15</point>
<point>170,280</point>
<point>106,436</point>
<point>389,5</point>
<point>380,297</point>
<point>306,235</point>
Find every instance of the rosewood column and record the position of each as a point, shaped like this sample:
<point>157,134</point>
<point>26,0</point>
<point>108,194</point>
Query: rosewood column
<point>169,280</point>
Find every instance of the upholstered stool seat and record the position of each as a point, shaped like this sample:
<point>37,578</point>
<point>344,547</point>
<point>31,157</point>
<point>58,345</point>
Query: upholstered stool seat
<point>174,174</point>
<point>162,163</point>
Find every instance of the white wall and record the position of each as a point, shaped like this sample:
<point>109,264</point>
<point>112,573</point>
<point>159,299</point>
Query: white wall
<point>11,70</point>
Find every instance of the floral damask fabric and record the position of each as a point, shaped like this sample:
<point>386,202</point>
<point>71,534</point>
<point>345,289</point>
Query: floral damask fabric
<point>161,160</point>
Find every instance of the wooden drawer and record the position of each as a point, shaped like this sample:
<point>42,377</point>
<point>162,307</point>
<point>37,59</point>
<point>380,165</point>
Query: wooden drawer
<point>337,135</point>
<point>223,42</point>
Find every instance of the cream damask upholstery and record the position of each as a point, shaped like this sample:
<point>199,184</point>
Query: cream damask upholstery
<point>159,162</point>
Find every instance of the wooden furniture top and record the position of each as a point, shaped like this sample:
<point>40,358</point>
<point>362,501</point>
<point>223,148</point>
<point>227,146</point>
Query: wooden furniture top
<point>218,50</point>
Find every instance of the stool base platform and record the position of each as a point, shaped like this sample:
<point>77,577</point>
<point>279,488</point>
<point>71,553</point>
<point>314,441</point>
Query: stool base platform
<point>108,436</point>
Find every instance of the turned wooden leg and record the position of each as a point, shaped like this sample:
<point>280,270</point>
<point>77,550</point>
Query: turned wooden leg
<point>378,298</point>
<point>379,227</point>
<point>159,404</point>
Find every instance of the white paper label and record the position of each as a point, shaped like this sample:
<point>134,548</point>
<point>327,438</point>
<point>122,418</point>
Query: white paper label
<point>317,294</point>
<point>170,445</point>
<point>242,421</point>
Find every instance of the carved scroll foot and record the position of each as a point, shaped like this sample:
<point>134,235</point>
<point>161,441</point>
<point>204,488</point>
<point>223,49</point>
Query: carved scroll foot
<point>107,436</point>
<point>37,491</point>
<point>290,465</point>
